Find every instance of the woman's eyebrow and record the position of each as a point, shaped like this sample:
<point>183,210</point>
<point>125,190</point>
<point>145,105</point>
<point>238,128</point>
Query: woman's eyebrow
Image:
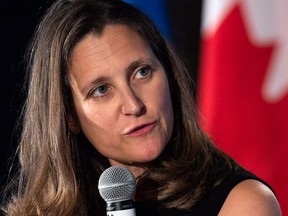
<point>141,61</point>
<point>86,87</point>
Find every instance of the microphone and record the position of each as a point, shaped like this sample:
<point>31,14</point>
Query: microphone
<point>117,187</point>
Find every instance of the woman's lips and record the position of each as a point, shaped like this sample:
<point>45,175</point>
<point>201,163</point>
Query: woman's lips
<point>141,129</point>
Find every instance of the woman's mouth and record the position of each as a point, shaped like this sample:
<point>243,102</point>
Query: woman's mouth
<point>141,129</point>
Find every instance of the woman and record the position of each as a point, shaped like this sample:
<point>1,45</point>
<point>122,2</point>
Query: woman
<point>106,89</point>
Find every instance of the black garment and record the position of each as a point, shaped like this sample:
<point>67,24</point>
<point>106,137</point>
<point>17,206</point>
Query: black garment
<point>210,205</point>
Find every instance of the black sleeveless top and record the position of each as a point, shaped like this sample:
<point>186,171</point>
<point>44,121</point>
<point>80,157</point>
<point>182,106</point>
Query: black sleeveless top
<point>210,205</point>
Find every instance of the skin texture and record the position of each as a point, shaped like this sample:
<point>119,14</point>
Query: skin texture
<point>122,97</point>
<point>251,197</point>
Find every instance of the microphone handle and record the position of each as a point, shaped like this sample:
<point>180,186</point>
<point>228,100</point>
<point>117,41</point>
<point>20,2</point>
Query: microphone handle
<point>126,212</point>
<point>121,208</point>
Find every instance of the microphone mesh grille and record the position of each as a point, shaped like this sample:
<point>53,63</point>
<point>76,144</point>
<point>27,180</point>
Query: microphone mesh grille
<point>116,184</point>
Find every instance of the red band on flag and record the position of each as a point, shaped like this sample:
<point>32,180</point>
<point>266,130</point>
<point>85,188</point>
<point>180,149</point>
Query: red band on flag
<point>251,129</point>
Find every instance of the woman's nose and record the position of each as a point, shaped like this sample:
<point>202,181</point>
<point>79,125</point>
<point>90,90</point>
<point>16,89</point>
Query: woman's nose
<point>132,104</point>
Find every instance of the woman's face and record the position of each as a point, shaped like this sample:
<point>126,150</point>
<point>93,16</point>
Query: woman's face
<point>121,95</point>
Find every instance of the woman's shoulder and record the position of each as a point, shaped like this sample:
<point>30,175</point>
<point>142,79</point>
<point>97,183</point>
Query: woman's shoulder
<point>241,191</point>
<point>251,197</point>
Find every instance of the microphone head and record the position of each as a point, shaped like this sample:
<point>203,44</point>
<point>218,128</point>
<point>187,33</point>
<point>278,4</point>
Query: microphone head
<point>116,184</point>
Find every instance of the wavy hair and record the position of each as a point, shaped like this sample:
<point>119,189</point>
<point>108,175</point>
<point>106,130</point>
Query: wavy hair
<point>59,170</point>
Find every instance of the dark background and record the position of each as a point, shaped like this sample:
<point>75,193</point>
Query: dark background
<point>18,19</point>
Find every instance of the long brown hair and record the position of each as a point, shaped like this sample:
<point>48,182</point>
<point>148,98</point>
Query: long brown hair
<point>59,170</point>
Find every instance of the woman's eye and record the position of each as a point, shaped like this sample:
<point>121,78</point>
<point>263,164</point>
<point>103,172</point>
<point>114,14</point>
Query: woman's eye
<point>100,91</point>
<point>143,72</point>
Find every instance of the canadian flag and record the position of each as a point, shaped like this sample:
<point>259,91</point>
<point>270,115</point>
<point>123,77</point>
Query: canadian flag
<point>243,85</point>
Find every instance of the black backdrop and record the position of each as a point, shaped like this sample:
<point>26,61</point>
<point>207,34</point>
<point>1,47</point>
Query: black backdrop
<point>18,19</point>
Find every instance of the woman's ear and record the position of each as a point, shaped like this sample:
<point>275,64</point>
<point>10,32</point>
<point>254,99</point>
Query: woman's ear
<point>73,125</point>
